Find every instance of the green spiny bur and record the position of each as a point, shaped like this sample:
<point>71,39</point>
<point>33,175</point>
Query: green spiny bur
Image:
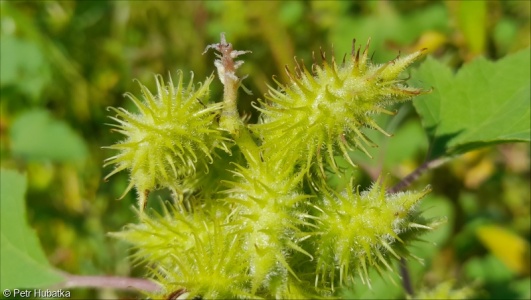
<point>253,228</point>
<point>171,136</point>
<point>266,212</point>
<point>323,113</point>
<point>192,252</point>
<point>359,230</point>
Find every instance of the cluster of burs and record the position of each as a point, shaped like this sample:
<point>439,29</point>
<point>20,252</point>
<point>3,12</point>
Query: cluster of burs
<point>252,215</point>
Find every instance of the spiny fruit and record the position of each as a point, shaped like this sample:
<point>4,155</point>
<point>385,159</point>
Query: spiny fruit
<point>360,231</point>
<point>193,255</point>
<point>266,213</point>
<point>172,135</point>
<point>326,111</point>
<point>266,235</point>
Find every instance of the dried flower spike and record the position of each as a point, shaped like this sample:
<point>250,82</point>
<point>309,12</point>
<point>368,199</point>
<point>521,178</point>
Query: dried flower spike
<point>226,66</point>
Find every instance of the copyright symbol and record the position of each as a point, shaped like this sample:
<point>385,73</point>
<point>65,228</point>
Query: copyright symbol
<point>7,293</point>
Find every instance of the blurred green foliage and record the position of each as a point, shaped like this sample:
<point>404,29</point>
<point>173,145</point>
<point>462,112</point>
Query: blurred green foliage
<point>20,244</point>
<point>64,62</point>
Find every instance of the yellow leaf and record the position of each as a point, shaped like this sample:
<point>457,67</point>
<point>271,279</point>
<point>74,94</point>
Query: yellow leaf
<point>511,249</point>
<point>432,40</point>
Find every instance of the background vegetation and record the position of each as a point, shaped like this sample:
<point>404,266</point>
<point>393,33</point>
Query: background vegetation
<point>63,63</point>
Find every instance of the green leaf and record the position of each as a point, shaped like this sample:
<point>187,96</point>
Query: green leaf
<point>485,103</point>
<point>35,136</point>
<point>23,66</point>
<point>23,263</point>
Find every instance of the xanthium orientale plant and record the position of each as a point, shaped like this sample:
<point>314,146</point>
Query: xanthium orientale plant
<point>252,214</point>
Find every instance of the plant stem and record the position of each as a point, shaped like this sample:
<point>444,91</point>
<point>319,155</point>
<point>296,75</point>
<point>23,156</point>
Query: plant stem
<point>230,118</point>
<point>227,66</point>
<point>405,182</point>
<point>406,279</point>
<point>409,179</point>
<point>115,282</point>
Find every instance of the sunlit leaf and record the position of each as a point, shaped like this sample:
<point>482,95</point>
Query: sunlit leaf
<point>485,103</point>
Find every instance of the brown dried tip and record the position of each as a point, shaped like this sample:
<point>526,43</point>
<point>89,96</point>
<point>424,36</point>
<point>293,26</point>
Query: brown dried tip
<point>367,47</point>
<point>146,195</point>
<point>397,57</point>
<point>176,294</point>
<point>298,69</point>
<point>333,55</point>
<point>357,57</point>
<point>225,64</point>
<point>286,68</point>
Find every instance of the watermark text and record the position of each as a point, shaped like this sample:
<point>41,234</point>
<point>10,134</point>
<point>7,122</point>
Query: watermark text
<point>36,293</point>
